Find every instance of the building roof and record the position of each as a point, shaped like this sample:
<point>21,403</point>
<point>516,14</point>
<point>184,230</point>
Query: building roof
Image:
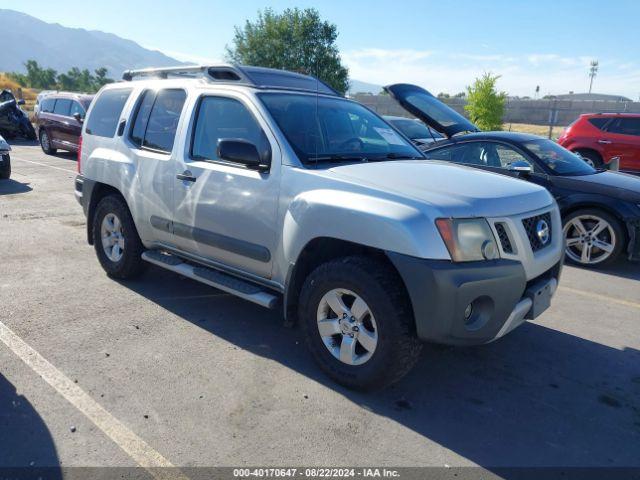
<point>592,97</point>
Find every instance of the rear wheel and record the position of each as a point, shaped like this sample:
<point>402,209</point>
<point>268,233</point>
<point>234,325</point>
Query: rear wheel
<point>45,143</point>
<point>593,238</point>
<point>358,323</point>
<point>116,239</point>
<point>592,158</point>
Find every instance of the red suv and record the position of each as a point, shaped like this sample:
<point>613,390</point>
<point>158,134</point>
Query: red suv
<point>600,138</point>
<point>59,121</point>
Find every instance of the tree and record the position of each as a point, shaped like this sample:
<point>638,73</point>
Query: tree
<point>101,78</point>
<point>485,104</point>
<point>460,95</point>
<point>443,95</point>
<point>74,80</point>
<point>296,40</point>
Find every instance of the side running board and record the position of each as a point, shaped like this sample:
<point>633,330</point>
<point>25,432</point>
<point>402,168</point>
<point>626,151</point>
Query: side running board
<point>214,278</point>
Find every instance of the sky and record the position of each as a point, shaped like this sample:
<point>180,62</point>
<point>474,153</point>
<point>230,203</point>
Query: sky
<point>440,45</point>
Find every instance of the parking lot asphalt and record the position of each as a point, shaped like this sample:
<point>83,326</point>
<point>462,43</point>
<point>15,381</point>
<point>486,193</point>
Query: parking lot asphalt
<point>96,372</point>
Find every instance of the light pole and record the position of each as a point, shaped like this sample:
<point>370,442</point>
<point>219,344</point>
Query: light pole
<point>593,71</point>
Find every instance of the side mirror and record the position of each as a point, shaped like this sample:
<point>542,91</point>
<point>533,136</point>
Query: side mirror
<point>520,167</point>
<point>78,117</point>
<point>243,152</point>
<point>21,102</point>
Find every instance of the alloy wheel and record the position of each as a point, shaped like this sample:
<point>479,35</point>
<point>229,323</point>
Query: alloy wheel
<point>44,141</point>
<point>112,237</point>
<point>589,239</point>
<point>347,326</point>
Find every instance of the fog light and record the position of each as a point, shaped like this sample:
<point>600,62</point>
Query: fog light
<point>468,311</point>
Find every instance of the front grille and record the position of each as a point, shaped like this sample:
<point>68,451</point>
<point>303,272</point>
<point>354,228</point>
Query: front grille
<point>531,227</point>
<point>504,238</point>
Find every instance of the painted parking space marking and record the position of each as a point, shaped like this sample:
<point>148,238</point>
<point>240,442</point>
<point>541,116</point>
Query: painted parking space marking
<point>600,296</point>
<point>134,446</point>
<point>42,164</point>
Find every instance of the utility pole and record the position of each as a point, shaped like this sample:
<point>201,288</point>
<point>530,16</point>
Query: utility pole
<point>537,91</point>
<point>593,71</point>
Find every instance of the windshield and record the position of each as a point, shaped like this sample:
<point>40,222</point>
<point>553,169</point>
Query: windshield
<point>414,129</point>
<point>340,131</point>
<point>558,159</point>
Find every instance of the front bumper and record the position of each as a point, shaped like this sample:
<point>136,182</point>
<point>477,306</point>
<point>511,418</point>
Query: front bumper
<point>441,290</point>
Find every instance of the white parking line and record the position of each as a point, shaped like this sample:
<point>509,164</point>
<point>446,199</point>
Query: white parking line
<point>127,440</point>
<point>599,296</point>
<point>43,164</point>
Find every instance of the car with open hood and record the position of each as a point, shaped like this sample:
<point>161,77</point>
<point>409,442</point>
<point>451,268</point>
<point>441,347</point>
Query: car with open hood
<point>271,186</point>
<point>14,121</point>
<point>600,209</point>
<point>5,159</point>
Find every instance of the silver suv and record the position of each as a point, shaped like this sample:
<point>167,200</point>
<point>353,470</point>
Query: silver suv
<point>269,185</point>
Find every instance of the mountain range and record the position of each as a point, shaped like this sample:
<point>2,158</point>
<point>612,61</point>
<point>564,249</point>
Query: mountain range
<point>23,37</point>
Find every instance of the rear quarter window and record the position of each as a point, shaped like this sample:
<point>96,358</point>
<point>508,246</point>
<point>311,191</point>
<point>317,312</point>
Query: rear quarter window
<point>599,122</point>
<point>47,104</point>
<point>106,111</point>
<point>62,106</point>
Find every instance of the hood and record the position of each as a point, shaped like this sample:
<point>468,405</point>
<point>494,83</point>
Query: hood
<point>429,109</point>
<point>614,184</point>
<point>454,190</point>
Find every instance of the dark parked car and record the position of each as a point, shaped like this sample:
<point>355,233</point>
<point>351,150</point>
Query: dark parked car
<point>59,121</point>
<point>414,129</point>
<point>13,120</point>
<point>5,159</point>
<point>600,209</point>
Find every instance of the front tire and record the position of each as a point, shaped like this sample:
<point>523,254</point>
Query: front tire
<point>5,171</point>
<point>593,238</point>
<point>45,143</point>
<point>116,239</point>
<point>30,132</point>
<point>358,322</point>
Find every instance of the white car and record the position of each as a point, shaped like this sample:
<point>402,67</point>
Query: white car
<point>269,185</point>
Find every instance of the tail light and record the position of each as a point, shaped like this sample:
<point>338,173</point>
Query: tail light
<point>79,153</point>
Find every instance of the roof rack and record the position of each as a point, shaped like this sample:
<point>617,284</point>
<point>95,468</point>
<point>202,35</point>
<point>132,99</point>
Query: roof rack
<point>257,77</point>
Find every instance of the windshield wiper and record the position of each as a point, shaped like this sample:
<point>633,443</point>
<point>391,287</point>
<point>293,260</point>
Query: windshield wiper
<point>397,156</point>
<point>338,158</point>
<point>362,158</point>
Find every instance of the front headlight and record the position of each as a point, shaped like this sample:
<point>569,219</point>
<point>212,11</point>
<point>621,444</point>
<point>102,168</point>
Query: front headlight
<point>468,239</point>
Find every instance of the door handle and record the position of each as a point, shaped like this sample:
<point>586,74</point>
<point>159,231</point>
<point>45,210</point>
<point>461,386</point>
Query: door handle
<point>187,176</point>
<point>604,142</point>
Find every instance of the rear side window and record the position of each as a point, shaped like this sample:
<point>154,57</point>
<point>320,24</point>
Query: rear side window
<point>625,126</point>
<point>76,108</point>
<point>47,105</point>
<point>141,118</point>
<point>162,124</point>
<point>105,114</point>
<point>599,122</point>
<point>62,107</point>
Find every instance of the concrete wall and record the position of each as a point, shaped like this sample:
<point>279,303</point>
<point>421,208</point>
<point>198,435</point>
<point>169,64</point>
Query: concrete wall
<point>537,112</point>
